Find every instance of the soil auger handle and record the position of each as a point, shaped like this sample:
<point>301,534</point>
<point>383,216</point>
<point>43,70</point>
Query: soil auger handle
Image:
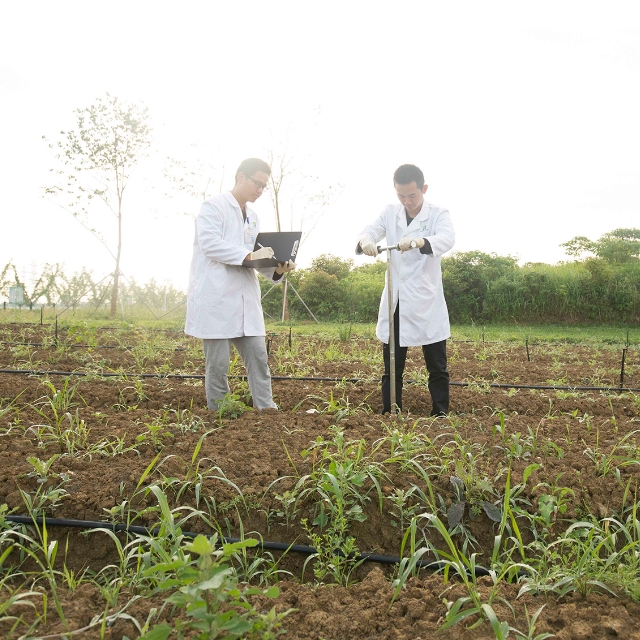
<point>387,248</point>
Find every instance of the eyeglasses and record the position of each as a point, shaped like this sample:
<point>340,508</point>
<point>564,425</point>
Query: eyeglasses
<point>258,183</point>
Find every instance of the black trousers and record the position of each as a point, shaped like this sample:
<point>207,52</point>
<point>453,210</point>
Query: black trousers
<point>435,358</point>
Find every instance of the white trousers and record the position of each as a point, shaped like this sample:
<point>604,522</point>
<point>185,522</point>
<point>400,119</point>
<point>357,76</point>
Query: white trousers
<point>253,352</point>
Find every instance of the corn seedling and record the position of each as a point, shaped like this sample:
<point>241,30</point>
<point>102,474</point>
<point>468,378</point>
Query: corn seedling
<point>403,509</point>
<point>466,569</point>
<point>58,403</point>
<point>530,633</point>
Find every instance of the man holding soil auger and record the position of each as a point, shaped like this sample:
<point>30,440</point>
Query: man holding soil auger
<point>412,303</point>
<point>223,302</point>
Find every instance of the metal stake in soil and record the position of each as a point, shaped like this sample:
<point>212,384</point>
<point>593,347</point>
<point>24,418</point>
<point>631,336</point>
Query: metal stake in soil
<point>392,346</point>
<point>392,340</point>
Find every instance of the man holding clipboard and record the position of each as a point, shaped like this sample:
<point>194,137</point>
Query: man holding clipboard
<point>223,302</point>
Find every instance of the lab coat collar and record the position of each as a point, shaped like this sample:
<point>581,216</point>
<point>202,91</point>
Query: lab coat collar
<point>230,197</point>
<point>423,215</point>
<point>234,203</point>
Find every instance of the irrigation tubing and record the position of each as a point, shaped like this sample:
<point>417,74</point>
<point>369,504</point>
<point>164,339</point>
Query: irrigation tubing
<point>453,340</point>
<point>433,565</point>
<point>131,348</point>
<point>88,346</point>
<point>196,376</point>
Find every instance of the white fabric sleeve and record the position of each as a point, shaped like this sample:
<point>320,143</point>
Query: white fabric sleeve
<point>376,231</point>
<point>443,237</point>
<point>210,224</point>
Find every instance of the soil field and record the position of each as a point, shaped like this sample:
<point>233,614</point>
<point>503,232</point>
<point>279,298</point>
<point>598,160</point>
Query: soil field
<point>539,486</point>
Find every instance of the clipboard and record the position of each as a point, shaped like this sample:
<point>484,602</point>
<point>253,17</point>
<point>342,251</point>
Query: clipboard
<point>285,246</point>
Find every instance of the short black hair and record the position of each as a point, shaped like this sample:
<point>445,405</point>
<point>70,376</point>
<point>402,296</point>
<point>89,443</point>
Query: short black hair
<point>408,173</point>
<point>249,166</point>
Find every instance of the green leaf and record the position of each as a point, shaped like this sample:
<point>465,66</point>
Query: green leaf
<point>547,505</point>
<point>215,582</point>
<point>201,545</point>
<point>238,626</point>
<point>492,511</point>
<point>455,513</point>
<point>500,629</point>
<point>529,470</point>
<point>159,632</point>
<point>230,548</point>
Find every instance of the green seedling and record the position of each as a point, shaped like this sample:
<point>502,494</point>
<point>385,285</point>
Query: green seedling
<point>336,553</point>
<point>612,461</point>
<point>58,403</point>
<point>465,568</point>
<point>42,468</point>
<point>214,603</point>
<point>530,633</point>
<point>288,507</point>
<point>155,436</point>
<point>456,511</point>
<point>404,507</point>
<point>231,407</point>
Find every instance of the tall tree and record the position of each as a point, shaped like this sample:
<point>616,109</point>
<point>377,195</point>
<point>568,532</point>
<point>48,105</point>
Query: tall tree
<point>290,187</point>
<point>619,245</point>
<point>196,175</point>
<point>94,164</point>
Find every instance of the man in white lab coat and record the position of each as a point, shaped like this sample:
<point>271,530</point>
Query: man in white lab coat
<point>423,232</point>
<point>223,302</point>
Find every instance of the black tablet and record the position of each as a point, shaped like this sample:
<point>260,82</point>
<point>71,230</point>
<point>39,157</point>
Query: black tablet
<point>284,244</point>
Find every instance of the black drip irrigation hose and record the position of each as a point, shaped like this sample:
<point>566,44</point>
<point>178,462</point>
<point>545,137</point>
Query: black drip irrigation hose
<point>282,335</point>
<point>195,376</point>
<point>433,565</point>
<point>88,346</point>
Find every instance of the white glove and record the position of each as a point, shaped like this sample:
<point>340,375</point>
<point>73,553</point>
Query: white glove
<point>406,244</point>
<point>288,266</point>
<point>368,248</point>
<point>265,252</point>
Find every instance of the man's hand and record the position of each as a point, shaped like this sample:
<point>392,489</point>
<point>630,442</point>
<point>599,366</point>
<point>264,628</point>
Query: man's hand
<point>288,266</point>
<point>406,244</point>
<point>368,248</point>
<point>265,252</point>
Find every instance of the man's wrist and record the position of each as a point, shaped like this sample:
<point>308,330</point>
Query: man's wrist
<point>426,248</point>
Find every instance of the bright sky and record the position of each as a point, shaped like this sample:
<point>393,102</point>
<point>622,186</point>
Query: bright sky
<point>523,116</point>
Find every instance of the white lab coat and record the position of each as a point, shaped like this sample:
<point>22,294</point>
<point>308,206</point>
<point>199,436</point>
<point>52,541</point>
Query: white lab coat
<point>416,277</point>
<point>223,300</point>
